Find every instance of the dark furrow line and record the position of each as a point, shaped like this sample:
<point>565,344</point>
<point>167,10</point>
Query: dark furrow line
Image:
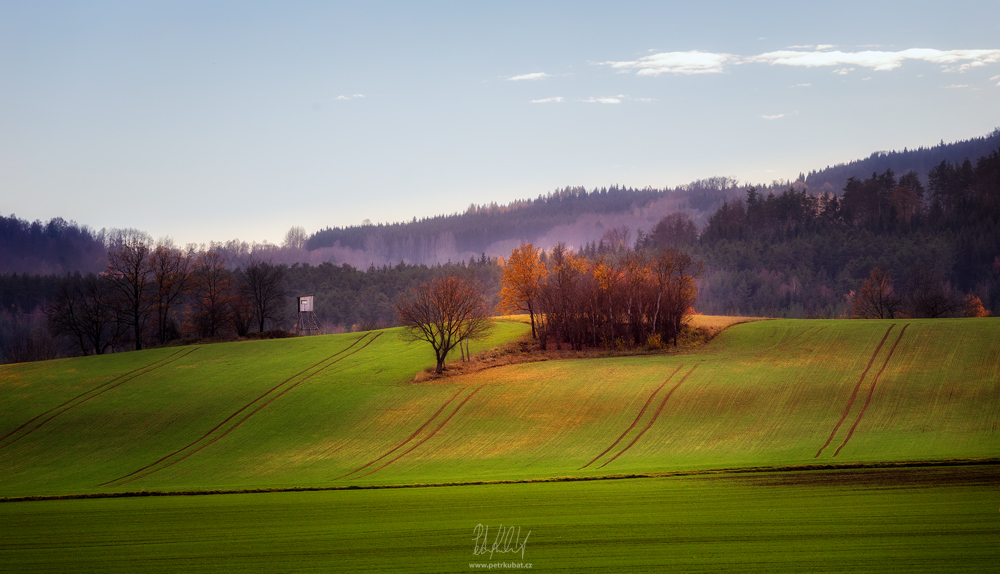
<point>871,390</point>
<point>248,405</point>
<point>121,381</point>
<point>2,438</point>
<point>636,421</point>
<point>652,420</point>
<point>854,393</point>
<point>428,437</point>
<point>255,411</point>
<point>411,437</point>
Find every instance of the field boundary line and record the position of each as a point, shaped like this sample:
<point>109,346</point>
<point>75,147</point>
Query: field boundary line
<point>871,390</point>
<point>411,437</point>
<point>652,420</point>
<point>122,480</point>
<point>428,437</point>
<point>854,394</point>
<point>100,389</point>
<point>680,474</point>
<point>636,421</point>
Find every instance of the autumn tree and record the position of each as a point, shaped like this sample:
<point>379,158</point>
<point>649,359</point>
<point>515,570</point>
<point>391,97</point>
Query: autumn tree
<point>973,307</point>
<point>170,278</point>
<point>130,272</point>
<point>876,299</point>
<point>444,312</point>
<point>520,283</point>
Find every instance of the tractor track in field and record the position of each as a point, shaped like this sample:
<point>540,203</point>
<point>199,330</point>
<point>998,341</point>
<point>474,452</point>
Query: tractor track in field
<point>637,417</point>
<point>92,393</point>
<point>656,415</point>
<point>428,437</point>
<point>854,393</point>
<point>411,437</point>
<point>871,390</point>
<point>153,468</point>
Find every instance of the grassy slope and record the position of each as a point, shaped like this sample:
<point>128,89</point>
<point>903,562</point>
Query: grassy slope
<point>767,393</point>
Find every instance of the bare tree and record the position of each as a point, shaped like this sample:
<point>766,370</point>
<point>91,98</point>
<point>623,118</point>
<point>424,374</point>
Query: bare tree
<point>876,298</point>
<point>265,283</point>
<point>444,312</point>
<point>86,309</point>
<point>171,278</point>
<point>130,272</point>
<point>295,238</point>
<point>211,291</point>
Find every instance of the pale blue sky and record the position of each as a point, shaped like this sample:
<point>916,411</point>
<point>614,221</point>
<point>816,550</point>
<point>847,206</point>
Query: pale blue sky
<point>216,120</point>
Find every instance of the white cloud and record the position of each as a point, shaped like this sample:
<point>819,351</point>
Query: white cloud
<point>608,100</point>
<point>866,79</point>
<point>878,60</point>
<point>644,99</point>
<point>775,117</point>
<point>801,86</point>
<point>953,86</point>
<point>825,46</point>
<point>843,71</point>
<point>359,95</point>
<point>802,47</point>
<point>531,76</point>
<point>693,62</point>
<point>555,100</point>
<point>343,98</point>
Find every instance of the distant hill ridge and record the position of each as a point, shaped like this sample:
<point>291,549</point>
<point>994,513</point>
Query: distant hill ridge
<point>920,160</point>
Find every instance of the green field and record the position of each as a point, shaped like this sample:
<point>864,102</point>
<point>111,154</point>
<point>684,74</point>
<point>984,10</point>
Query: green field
<point>342,411</point>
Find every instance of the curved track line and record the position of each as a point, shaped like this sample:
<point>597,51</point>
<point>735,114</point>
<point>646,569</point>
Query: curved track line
<point>854,394</point>
<point>411,437</point>
<point>871,390</point>
<point>652,420</point>
<point>636,421</point>
<point>121,480</point>
<point>101,389</point>
<point>426,438</point>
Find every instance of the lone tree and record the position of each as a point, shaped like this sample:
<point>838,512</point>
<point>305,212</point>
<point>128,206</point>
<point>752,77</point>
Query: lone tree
<point>876,298</point>
<point>265,283</point>
<point>444,312</point>
<point>130,271</point>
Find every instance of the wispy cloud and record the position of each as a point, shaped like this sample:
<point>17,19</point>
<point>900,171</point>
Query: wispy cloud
<point>555,100</point>
<point>351,97</point>
<point>606,100</point>
<point>997,77</point>
<point>843,71</point>
<point>531,76</point>
<point>698,62</point>
<point>694,62</point>
<point>953,86</point>
<point>801,86</point>
<point>879,60</point>
<point>774,117</point>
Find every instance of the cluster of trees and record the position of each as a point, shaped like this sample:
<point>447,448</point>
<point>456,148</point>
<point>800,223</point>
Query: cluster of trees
<point>151,294</point>
<point>616,298</point>
<point>877,298</point>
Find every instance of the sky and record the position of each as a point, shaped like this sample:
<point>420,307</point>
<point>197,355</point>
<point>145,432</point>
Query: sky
<point>210,121</point>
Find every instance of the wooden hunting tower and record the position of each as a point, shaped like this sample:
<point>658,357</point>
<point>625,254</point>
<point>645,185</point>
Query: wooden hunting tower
<point>307,323</point>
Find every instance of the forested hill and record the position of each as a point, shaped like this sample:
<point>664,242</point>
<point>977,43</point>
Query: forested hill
<point>572,215</point>
<point>920,160</point>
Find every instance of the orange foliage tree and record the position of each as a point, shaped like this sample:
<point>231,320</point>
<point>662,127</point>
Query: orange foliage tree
<point>973,307</point>
<point>521,281</point>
